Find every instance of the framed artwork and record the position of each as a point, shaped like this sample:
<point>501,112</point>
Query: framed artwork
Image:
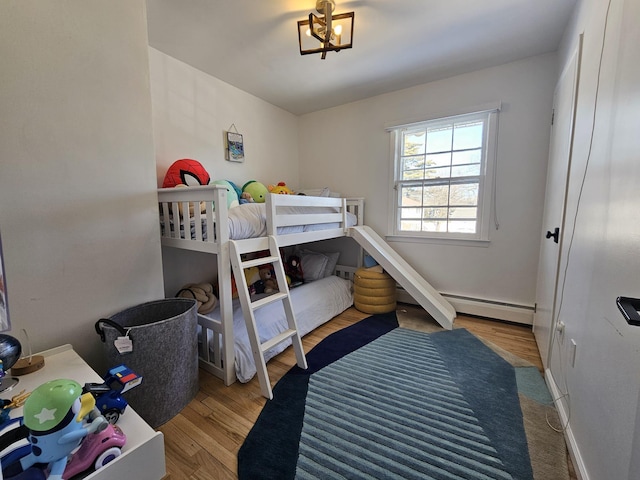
<point>235,147</point>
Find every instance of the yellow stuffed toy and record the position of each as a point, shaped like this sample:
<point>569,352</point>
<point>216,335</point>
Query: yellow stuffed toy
<point>280,188</point>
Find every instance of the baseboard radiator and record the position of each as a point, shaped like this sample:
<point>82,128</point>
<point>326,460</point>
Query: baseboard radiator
<point>481,307</point>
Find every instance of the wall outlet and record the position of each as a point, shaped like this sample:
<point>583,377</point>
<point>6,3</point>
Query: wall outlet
<point>572,352</point>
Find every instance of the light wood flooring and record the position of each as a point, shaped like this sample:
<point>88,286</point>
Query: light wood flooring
<point>202,441</point>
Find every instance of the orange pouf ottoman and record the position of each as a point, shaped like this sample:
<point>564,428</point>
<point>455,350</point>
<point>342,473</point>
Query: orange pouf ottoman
<point>374,290</point>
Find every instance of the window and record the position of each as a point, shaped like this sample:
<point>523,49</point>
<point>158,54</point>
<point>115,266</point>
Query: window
<point>443,177</point>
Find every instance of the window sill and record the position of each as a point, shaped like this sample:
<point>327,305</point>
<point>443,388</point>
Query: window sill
<point>441,241</point>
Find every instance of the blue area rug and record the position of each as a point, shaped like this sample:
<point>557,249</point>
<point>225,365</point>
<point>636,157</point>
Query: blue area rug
<point>378,401</point>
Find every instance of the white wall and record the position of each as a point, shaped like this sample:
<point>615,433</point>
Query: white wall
<point>604,259</point>
<point>78,208</point>
<point>191,112</point>
<point>347,149</point>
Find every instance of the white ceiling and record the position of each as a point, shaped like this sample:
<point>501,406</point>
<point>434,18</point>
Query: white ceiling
<point>253,44</point>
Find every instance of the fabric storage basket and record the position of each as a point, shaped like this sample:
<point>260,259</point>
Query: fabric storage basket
<point>374,291</point>
<point>164,337</point>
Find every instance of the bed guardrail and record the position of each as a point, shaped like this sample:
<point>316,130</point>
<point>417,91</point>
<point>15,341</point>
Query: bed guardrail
<point>188,217</point>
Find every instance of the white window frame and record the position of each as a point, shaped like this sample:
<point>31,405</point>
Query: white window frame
<point>486,183</point>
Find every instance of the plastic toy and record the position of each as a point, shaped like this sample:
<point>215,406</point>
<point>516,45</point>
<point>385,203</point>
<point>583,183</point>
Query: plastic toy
<point>55,415</point>
<point>96,450</point>
<point>7,405</point>
<point>108,395</point>
<point>32,473</point>
<point>13,442</point>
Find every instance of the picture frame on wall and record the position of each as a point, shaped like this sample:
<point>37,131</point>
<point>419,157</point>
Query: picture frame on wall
<point>234,147</point>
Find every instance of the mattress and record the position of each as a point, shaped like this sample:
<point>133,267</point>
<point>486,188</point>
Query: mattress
<point>314,303</point>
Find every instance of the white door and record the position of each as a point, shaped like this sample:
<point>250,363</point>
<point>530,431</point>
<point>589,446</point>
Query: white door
<point>564,102</point>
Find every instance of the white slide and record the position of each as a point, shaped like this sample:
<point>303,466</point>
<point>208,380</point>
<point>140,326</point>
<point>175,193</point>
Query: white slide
<point>403,273</point>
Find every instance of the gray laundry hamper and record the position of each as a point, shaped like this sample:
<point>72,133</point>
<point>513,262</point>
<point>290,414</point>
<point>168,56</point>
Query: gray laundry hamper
<point>165,354</point>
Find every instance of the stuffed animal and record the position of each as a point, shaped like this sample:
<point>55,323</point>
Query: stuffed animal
<point>245,197</point>
<point>293,269</point>
<point>251,275</point>
<point>253,281</point>
<point>242,196</point>
<point>256,190</point>
<point>202,293</point>
<point>185,172</point>
<point>232,196</point>
<point>267,276</point>
<point>280,188</point>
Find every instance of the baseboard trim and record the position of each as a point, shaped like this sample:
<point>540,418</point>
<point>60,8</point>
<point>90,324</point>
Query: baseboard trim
<point>482,308</point>
<point>572,444</point>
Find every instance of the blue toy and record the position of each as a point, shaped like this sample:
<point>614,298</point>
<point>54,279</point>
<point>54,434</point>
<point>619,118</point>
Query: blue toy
<point>55,415</point>
<point>108,395</point>
<point>14,443</point>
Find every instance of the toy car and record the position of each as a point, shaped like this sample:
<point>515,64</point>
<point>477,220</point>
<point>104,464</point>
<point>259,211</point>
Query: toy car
<point>108,395</point>
<point>96,449</point>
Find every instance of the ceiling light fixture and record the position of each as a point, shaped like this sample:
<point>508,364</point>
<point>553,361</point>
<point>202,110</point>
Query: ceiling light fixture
<point>325,33</point>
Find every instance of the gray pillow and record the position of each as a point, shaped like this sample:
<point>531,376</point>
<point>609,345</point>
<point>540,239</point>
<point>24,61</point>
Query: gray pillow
<point>332,261</point>
<point>316,265</point>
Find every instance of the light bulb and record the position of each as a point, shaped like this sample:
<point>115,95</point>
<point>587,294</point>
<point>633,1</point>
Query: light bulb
<point>338,30</point>
<point>308,32</point>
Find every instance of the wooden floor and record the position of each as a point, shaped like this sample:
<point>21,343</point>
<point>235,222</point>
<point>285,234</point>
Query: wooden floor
<point>202,441</point>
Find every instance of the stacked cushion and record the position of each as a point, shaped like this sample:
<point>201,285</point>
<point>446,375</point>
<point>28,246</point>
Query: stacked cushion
<point>374,291</point>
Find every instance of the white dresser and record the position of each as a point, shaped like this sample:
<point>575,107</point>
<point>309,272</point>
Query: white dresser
<point>143,455</point>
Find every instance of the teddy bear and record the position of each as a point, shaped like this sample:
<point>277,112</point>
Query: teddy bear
<point>267,277</point>
<point>280,188</point>
<point>202,293</point>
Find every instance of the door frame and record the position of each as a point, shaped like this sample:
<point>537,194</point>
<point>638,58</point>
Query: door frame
<point>553,331</point>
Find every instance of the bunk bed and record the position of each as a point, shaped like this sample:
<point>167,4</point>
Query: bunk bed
<point>197,219</point>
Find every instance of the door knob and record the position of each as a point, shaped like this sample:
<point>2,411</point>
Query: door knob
<point>555,234</point>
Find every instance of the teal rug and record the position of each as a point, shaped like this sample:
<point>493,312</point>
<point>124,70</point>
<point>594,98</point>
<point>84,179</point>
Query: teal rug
<point>378,402</point>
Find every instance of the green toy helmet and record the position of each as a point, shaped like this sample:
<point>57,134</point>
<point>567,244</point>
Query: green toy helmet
<point>49,404</point>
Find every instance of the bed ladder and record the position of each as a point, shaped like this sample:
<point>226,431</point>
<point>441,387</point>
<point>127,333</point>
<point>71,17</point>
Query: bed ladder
<point>258,347</point>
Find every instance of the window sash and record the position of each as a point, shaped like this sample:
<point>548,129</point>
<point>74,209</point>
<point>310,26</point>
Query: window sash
<point>459,216</point>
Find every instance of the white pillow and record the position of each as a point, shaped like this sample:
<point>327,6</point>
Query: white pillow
<point>315,192</point>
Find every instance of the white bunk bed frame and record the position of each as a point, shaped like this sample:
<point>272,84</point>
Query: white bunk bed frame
<point>176,232</point>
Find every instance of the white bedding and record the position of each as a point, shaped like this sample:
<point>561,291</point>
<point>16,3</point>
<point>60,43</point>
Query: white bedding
<point>313,303</point>
<point>250,221</point>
